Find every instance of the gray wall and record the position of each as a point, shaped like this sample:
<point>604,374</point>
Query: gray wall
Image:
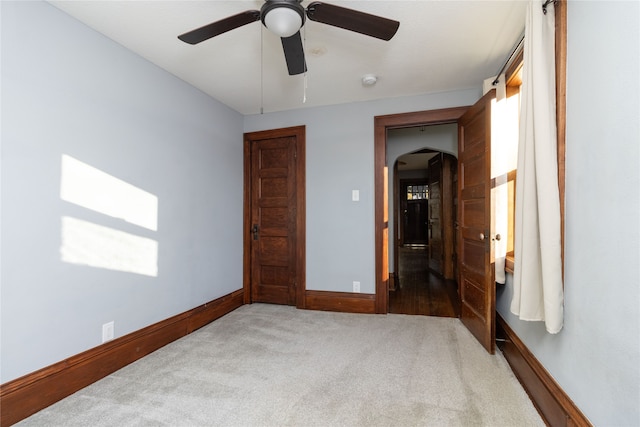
<point>596,357</point>
<point>68,90</point>
<point>340,233</point>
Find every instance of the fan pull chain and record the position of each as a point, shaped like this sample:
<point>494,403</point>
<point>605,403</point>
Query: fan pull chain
<point>304,96</point>
<point>304,49</point>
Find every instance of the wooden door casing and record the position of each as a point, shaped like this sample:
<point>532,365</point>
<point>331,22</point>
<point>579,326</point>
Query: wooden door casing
<point>381,227</point>
<point>476,273</point>
<point>274,235</point>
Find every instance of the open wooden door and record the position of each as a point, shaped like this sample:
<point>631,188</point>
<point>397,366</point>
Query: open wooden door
<point>477,276</point>
<point>436,249</point>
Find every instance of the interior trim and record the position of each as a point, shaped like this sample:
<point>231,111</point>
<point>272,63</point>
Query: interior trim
<point>381,125</point>
<point>345,302</point>
<point>33,392</point>
<point>553,404</point>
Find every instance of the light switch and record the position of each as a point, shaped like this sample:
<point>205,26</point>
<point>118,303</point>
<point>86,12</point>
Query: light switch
<point>355,195</point>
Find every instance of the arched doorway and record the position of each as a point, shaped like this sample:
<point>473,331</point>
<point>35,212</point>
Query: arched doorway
<point>422,279</point>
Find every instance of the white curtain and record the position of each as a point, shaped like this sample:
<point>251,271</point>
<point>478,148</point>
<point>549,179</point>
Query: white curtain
<point>538,290</point>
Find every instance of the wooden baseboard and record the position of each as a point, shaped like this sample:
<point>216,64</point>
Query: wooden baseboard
<point>340,301</point>
<point>553,404</point>
<point>33,392</point>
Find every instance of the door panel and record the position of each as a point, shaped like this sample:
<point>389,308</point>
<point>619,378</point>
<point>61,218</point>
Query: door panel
<point>273,172</point>
<point>274,239</point>
<point>477,282</point>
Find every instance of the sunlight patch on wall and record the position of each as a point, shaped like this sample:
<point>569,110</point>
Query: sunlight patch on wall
<point>93,189</point>
<point>93,245</point>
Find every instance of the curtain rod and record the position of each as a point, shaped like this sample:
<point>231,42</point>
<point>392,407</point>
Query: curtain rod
<point>547,3</point>
<point>544,10</point>
<point>495,82</point>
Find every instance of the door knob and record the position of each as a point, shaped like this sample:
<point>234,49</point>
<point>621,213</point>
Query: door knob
<point>498,237</point>
<point>254,230</point>
<point>482,236</point>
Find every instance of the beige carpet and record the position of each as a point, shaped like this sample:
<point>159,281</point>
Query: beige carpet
<point>268,365</point>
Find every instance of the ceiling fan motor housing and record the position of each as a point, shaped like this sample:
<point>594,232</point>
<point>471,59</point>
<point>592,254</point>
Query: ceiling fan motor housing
<point>285,18</point>
<point>282,6</point>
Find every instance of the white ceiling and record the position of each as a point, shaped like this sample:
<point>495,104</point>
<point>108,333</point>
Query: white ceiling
<point>440,46</point>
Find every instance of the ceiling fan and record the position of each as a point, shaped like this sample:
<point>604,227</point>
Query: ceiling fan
<point>285,18</point>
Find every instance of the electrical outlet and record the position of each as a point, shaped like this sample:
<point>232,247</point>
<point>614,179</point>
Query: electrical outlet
<point>356,287</point>
<point>107,331</point>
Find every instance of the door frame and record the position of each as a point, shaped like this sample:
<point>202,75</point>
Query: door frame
<point>381,205</point>
<point>299,133</point>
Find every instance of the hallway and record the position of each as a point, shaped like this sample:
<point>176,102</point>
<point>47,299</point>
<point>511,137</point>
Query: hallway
<point>421,292</point>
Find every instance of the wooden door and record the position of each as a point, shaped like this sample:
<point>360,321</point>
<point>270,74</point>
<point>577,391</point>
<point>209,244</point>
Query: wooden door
<point>449,191</point>
<point>416,222</point>
<point>436,249</point>
<point>414,212</point>
<point>455,226</point>
<point>476,282</point>
<point>274,227</point>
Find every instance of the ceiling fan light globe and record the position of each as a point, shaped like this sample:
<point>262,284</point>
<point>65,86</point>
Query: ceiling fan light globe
<point>283,22</point>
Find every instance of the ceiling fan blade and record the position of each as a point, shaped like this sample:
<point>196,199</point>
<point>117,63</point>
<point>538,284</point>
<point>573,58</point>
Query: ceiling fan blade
<point>353,20</point>
<point>294,54</point>
<point>222,26</point>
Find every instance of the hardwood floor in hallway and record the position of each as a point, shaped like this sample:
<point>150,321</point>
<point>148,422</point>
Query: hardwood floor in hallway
<point>421,292</point>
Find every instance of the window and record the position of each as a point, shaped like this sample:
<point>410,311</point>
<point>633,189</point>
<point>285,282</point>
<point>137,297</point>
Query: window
<point>417,192</point>
<point>514,81</point>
